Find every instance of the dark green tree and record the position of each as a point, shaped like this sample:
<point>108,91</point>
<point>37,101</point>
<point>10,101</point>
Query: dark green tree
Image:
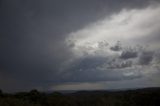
<point>1,92</point>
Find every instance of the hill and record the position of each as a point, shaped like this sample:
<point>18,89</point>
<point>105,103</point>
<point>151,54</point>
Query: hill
<point>136,97</point>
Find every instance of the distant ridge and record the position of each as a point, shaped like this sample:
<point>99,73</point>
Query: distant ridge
<point>95,92</point>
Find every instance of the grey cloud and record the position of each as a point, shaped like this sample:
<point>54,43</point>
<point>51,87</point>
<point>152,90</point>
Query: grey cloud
<point>90,62</point>
<point>120,65</point>
<point>126,64</point>
<point>103,44</point>
<point>116,47</point>
<point>90,69</point>
<point>157,57</point>
<point>129,53</point>
<point>146,57</point>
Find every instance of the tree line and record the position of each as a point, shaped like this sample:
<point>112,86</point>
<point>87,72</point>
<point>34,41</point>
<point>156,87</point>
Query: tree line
<point>139,97</point>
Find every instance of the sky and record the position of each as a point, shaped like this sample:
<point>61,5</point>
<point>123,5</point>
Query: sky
<point>79,44</point>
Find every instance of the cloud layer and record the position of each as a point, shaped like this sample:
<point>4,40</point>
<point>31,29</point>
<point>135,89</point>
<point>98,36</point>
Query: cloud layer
<point>73,44</point>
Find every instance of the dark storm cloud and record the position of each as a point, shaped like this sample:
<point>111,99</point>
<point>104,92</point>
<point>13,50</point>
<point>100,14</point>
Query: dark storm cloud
<point>119,65</point>
<point>129,53</point>
<point>33,33</point>
<point>146,57</point>
<point>126,52</point>
<point>157,57</point>
<point>91,69</point>
<point>117,47</point>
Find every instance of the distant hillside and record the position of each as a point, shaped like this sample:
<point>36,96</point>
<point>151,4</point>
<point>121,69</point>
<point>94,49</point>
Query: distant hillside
<point>137,97</point>
<point>99,92</point>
